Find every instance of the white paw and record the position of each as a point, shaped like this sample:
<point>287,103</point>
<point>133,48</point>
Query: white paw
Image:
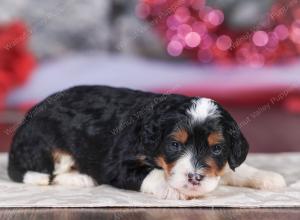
<point>155,183</point>
<point>74,179</point>
<point>167,192</point>
<point>34,178</point>
<point>266,180</point>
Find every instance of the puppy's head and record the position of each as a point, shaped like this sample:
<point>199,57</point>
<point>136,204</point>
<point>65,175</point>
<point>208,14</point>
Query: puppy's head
<point>198,146</point>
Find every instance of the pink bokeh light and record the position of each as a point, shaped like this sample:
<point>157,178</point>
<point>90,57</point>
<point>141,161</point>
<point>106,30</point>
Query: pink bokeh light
<point>295,33</point>
<point>175,48</point>
<point>282,32</point>
<point>142,10</point>
<point>196,28</point>
<point>182,14</point>
<point>183,30</point>
<point>198,4</point>
<point>207,42</point>
<point>199,27</point>
<point>215,17</point>
<point>223,42</point>
<point>260,38</point>
<point>273,40</point>
<point>172,22</point>
<point>192,39</point>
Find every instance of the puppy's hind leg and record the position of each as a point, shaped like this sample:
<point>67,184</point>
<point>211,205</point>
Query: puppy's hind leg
<point>34,169</point>
<point>28,177</point>
<point>247,176</point>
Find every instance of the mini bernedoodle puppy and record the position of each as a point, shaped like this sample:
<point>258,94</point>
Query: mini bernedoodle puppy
<point>172,146</point>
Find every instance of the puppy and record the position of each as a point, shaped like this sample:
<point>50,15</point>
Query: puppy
<point>172,146</point>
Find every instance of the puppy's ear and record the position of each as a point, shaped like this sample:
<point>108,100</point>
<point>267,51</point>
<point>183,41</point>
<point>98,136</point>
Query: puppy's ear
<point>151,132</point>
<point>238,144</point>
<point>155,126</point>
<point>159,122</point>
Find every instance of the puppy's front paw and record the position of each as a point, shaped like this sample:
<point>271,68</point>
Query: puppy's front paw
<point>155,183</point>
<point>167,192</point>
<point>74,179</point>
<point>266,180</point>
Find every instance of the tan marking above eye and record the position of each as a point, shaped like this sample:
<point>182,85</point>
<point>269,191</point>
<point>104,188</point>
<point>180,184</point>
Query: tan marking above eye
<point>215,138</point>
<point>181,136</point>
<point>161,162</point>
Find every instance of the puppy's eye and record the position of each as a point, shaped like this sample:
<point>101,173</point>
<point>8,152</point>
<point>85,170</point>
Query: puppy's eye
<point>175,145</point>
<point>217,149</point>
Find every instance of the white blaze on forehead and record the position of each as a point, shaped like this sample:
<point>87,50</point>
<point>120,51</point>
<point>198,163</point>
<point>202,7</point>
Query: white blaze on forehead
<point>202,109</point>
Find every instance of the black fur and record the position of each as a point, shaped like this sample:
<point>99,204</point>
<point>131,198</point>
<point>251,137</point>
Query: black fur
<point>238,144</point>
<point>114,135</point>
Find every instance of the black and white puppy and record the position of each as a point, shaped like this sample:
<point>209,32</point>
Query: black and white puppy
<point>172,146</point>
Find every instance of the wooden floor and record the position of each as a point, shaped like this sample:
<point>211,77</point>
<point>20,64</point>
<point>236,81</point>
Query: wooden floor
<point>145,214</point>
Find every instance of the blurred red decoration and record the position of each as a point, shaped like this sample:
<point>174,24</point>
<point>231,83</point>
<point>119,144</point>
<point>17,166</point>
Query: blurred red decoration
<point>16,63</point>
<point>292,104</point>
<point>193,29</point>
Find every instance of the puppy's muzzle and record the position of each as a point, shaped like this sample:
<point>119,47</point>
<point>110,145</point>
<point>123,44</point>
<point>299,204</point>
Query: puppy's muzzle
<point>195,178</point>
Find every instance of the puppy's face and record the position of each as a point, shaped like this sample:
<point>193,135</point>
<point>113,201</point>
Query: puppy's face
<point>195,153</point>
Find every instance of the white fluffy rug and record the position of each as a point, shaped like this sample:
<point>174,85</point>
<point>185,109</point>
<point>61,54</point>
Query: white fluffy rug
<point>19,195</point>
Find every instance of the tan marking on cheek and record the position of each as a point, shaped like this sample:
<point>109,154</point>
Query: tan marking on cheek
<point>57,154</point>
<point>215,138</point>
<point>181,136</point>
<point>161,162</point>
<point>213,169</point>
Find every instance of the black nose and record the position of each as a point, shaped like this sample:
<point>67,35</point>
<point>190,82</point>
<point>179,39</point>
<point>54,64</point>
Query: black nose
<point>195,178</point>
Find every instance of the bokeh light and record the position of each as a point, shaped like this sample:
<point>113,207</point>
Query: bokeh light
<point>183,30</point>
<point>175,48</point>
<point>215,17</point>
<point>182,14</point>
<point>295,34</point>
<point>142,10</point>
<point>260,38</point>
<point>282,32</point>
<point>199,30</point>
<point>224,42</point>
<point>192,39</point>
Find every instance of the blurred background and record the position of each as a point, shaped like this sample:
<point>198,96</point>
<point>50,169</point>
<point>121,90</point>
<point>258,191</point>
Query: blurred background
<point>242,53</point>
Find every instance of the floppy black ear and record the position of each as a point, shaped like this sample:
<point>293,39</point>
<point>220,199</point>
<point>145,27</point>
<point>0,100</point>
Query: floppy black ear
<point>151,132</point>
<point>238,144</point>
<point>155,125</point>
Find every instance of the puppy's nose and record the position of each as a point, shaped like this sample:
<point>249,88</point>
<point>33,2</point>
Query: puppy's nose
<point>195,178</point>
